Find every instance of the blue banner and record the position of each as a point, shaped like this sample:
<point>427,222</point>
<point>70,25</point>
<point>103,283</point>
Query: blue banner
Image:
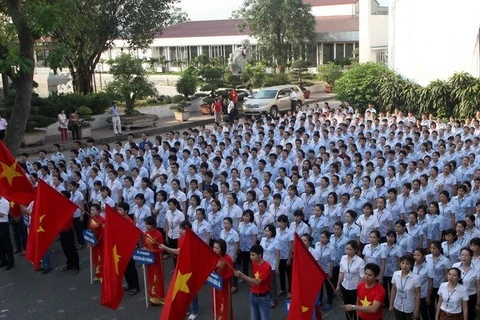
<point>143,257</point>
<point>215,280</point>
<point>89,237</point>
<point>287,305</point>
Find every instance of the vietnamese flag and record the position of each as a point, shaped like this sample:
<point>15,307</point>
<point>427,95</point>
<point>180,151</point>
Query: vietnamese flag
<point>15,211</point>
<point>120,239</point>
<point>14,184</point>
<point>196,261</point>
<point>307,280</point>
<point>51,212</point>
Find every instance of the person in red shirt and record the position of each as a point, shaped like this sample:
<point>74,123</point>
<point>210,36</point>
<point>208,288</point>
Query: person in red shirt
<point>217,109</point>
<point>370,295</point>
<point>260,284</point>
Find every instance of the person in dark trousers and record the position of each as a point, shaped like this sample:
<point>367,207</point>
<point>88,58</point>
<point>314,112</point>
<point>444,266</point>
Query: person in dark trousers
<point>6,249</point>
<point>131,275</point>
<point>67,240</point>
<point>19,234</point>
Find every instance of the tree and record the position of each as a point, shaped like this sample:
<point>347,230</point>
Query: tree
<point>299,73</point>
<point>187,85</point>
<point>177,15</point>
<point>93,27</point>
<point>22,23</point>
<point>282,27</point>
<point>129,81</point>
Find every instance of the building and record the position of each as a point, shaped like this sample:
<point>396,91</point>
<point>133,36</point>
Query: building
<point>432,39</point>
<point>337,37</point>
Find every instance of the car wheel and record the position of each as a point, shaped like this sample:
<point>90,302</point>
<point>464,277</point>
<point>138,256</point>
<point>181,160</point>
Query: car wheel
<point>274,111</point>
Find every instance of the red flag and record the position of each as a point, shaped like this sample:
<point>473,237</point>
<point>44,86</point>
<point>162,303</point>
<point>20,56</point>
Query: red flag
<point>196,261</point>
<point>51,212</point>
<point>15,211</point>
<point>14,184</point>
<point>304,290</point>
<point>119,240</point>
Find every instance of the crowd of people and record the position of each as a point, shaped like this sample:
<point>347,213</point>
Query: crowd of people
<point>387,203</point>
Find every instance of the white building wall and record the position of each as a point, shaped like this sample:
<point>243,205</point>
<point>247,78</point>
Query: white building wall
<point>373,33</point>
<point>432,39</point>
<point>334,10</point>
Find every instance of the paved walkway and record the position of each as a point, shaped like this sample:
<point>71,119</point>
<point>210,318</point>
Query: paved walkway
<point>163,125</point>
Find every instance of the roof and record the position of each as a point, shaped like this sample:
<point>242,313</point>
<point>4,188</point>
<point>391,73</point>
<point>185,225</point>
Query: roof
<point>336,24</point>
<point>208,28</point>
<point>219,28</point>
<point>316,3</point>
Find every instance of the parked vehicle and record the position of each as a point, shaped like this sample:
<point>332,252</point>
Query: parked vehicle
<point>272,100</point>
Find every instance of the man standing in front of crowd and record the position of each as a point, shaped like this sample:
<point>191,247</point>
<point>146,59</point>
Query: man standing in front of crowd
<point>260,284</point>
<point>6,249</point>
<point>115,114</point>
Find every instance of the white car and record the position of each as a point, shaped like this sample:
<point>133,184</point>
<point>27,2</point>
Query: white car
<point>272,100</point>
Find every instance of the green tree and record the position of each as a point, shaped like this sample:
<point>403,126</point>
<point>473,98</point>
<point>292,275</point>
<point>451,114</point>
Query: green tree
<point>94,25</point>
<point>177,15</point>
<point>299,73</point>
<point>359,85</point>
<point>281,27</point>
<point>22,23</point>
<point>187,85</point>
<point>129,81</point>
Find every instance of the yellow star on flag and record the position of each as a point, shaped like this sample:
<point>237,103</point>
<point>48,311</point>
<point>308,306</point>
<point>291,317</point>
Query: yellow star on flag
<point>40,228</point>
<point>365,302</point>
<point>116,258</point>
<point>181,283</point>
<point>257,275</point>
<point>9,172</point>
<point>304,309</point>
<point>12,204</point>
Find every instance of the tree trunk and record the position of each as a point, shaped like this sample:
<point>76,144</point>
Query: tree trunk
<point>6,84</point>
<point>82,80</point>
<point>23,81</point>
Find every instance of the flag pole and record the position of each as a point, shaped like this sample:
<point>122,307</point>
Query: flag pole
<point>145,285</point>
<point>91,266</point>
<point>214,305</point>
<point>341,302</point>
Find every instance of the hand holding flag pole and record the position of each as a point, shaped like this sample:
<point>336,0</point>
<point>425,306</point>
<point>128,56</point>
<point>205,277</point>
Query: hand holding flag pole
<point>339,299</point>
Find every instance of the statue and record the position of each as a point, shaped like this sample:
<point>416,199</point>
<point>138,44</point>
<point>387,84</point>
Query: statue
<point>237,59</point>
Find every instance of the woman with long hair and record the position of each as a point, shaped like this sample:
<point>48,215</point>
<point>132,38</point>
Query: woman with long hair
<point>422,269</point>
<point>285,240</point>
<point>155,272</point>
<point>440,265</point>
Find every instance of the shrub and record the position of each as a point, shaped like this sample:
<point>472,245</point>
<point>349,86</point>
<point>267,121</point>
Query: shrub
<point>329,72</point>
<point>178,98</point>
<point>187,85</point>
<point>359,84</point>
<point>276,80</point>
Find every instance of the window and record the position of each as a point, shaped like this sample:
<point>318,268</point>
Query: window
<point>348,50</point>
<point>328,54</point>
<point>340,51</point>
<point>228,51</point>
<point>193,52</point>
<point>206,51</point>
<point>382,57</point>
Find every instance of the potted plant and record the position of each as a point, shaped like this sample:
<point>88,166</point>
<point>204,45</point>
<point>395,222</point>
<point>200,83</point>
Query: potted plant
<point>212,77</point>
<point>181,111</point>
<point>329,72</point>
<point>36,129</point>
<point>299,70</point>
<point>85,115</point>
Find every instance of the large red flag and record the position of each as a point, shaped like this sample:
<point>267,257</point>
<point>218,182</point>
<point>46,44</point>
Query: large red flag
<point>196,261</point>
<point>51,212</point>
<point>307,280</point>
<point>119,240</point>
<point>14,184</point>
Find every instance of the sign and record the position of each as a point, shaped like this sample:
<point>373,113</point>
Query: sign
<point>215,280</point>
<point>287,305</point>
<point>143,257</point>
<point>89,237</point>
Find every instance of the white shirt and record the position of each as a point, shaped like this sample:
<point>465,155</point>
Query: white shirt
<point>374,255</point>
<point>5,209</point>
<point>405,297</point>
<point>352,272</point>
<point>285,238</point>
<point>140,214</point>
<point>425,272</point>
<point>231,237</point>
<point>201,229</point>
<point>174,219</point>
<point>270,248</point>
<point>452,300</point>
<point>469,277</point>
<point>77,198</point>
<point>367,226</point>
<point>440,265</point>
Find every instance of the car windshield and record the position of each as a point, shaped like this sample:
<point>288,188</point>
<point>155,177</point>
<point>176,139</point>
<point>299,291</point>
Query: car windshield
<point>266,94</point>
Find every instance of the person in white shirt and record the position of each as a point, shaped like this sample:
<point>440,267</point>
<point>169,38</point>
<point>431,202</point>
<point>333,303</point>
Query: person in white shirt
<point>6,248</point>
<point>470,275</point>
<point>352,269</point>
<point>271,254</point>
<point>452,298</point>
<point>405,297</point>
<point>201,227</point>
<point>140,212</point>
<point>367,223</point>
<point>77,197</point>
<point>172,224</point>
<point>285,239</point>
<point>298,225</point>
<point>115,186</point>
<point>231,237</point>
